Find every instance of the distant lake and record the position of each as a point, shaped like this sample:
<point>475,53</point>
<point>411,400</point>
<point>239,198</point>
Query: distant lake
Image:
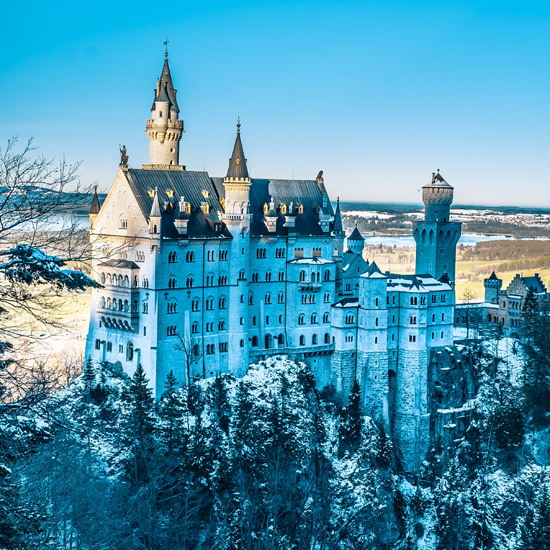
<point>469,239</point>
<point>58,223</point>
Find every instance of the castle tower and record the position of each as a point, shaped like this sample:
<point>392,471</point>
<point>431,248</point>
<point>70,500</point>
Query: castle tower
<point>237,219</point>
<point>436,236</point>
<point>164,129</point>
<point>338,245</point>
<point>356,242</point>
<point>493,286</point>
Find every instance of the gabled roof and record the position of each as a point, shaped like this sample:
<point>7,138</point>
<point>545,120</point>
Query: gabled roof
<point>196,187</point>
<point>355,267</point>
<point>347,302</point>
<point>237,162</point>
<point>124,264</point>
<point>535,283</point>
<point>438,181</point>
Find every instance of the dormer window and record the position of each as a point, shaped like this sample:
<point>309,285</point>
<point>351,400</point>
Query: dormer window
<point>266,208</point>
<point>301,209</point>
<point>283,209</point>
<point>188,208</point>
<point>205,194</point>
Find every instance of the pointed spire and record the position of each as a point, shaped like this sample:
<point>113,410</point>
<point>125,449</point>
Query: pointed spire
<point>95,206</point>
<point>237,162</point>
<point>155,209</point>
<point>337,218</point>
<point>165,90</point>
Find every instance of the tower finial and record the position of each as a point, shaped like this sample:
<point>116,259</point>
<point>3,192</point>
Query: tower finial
<point>166,42</point>
<point>238,125</point>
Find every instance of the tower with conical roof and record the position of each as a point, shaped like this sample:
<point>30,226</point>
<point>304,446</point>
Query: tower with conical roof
<point>356,242</point>
<point>436,236</point>
<point>164,128</point>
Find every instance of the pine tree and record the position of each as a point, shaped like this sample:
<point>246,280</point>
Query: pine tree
<point>535,527</point>
<point>171,413</point>
<point>88,376</point>
<point>141,420</point>
<point>351,421</point>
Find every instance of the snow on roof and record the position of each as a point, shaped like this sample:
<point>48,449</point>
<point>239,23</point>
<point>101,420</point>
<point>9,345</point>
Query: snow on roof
<point>307,261</point>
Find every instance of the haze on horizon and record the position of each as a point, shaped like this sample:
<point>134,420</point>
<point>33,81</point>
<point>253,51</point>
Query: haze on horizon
<point>376,94</point>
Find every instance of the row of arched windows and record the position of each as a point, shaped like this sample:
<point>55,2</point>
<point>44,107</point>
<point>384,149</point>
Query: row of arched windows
<point>118,305</point>
<point>315,276</point>
<point>314,319</point>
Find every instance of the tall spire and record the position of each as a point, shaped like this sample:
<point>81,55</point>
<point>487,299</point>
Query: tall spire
<point>237,162</point>
<point>94,208</point>
<point>337,218</point>
<point>155,209</point>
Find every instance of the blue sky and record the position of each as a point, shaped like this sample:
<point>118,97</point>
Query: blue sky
<point>376,94</point>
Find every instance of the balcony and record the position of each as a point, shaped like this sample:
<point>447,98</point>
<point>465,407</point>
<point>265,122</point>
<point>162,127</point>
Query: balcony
<point>323,349</point>
<point>307,286</point>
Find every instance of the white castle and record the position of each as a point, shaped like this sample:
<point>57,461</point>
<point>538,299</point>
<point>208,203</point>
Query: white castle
<point>214,273</point>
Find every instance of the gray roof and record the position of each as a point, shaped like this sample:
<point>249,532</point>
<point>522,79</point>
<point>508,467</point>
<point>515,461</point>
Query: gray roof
<point>337,226</point>
<point>181,183</point>
<point>126,264</point>
<point>437,181</point>
<point>356,235</point>
<point>237,162</point>
<point>95,206</point>
<point>166,89</point>
<point>535,283</point>
<point>307,193</point>
<point>353,265</point>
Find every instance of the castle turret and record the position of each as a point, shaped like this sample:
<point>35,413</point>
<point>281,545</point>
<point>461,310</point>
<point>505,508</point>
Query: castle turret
<point>164,129</point>
<point>155,218</point>
<point>338,245</point>
<point>94,208</point>
<point>493,286</point>
<point>436,236</point>
<point>356,242</point>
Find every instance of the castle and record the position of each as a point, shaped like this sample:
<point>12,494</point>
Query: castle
<point>214,273</point>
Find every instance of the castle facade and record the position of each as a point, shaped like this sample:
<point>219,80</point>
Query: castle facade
<point>203,275</point>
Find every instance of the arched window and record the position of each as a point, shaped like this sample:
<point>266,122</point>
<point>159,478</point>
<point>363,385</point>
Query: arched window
<point>267,339</point>
<point>280,340</point>
<point>190,256</point>
<point>267,298</point>
<point>171,307</point>
<point>302,276</point>
<point>126,282</point>
<point>313,277</point>
<point>221,325</point>
<point>255,276</point>
<point>145,307</point>
<point>327,338</point>
<point>172,282</point>
<point>103,278</point>
<point>254,341</point>
<point>109,305</point>
<point>103,301</point>
<point>281,298</point>
<point>195,328</point>
<point>120,280</point>
<point>325,318</point>
<point>314,340</point>
<point>145,282</point>
<point>268,277</point>
<point>209,304</point>
<point>281,276</point>
<point>314,319</point>
<point>327,297</point>
<point>250,299</point>
<point>195,304</point>
<point>126,305</point>
<point>301,319</point>
<point>120,306</point>
<point>172,257</point>
<point>241,274</point>
<point>327,275</point>
<point>222,302</point>
<point>130,352</point>
<point>302,340</point>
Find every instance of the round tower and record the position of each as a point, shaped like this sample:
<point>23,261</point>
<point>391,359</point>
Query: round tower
<point>437,197</point>
<point>164,129</point>
<point>356,242</point>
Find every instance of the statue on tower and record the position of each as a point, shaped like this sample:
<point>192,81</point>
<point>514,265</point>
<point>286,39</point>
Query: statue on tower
<point>123,156</point>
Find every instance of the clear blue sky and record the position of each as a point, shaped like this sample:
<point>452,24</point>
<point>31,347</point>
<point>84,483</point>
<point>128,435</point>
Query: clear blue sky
<point>378,94</point>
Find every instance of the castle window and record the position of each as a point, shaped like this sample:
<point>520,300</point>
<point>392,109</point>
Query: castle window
<point>140,256</point>
<point>210,349</point>
<point>316,252</point>
<point>413,320</point>
<point>281,276</point>
<point>223,255</point>
<point>302,276</point>
<point>327,297</point>
<point>103,278</point>
<point>280,253</point>
<point>254,341</point>
<point>281,298</point>
<point>376,339</point>
<point>136,282</point>
<point>209,255</point>
<point>130,352</point>
<point>423,301</point>
<point>195,328</point>
<point>255,276</point>
<point>443,298</point>
<point>222,303</point>
<point>210,280</point>
<point>223,347</point>
<point>393,337</point>
<point>443,332</point>
<point>209,304</point>
<point>434,298</point>
<point>441,251</point>
<point>326,276</point>
<point>145,307</point>
<point>301,319</point>
<point>327,338</point>
<point>267,319</point>
<point>393,319</point>
<point>242,343</point>
<point>209,327</point>
<point>145,283</point>
<point>302,340</point>
<point>433,317</point>
<point>221,325</point>
<point>172,257</point>
<point>376,302</point>
<point>280,319</point>
<point>195,304</point>
<point>326,318</point>
<point>222,280</point>
<point>120,348</point>
<point>189,281</point>
<point>298,252</point>
<point>348,287</point>
<point>268,277</point>
<point>314,319</point>
<point>349,338</point>
<point>123,223</point>
<point>241,274</point>
<point>314,340</point>
<point>280,340</point>
<point>171,307</point>
<point>190,256</point>
<point>160,114</point>
<point>261,253</point>
<point>443,317</point>
<point>171,331</point>
<point>241,321</point>
<point>412,338</point>
<point>254,320</point>
<point>109,346</point>
<point>350,319</point>
<point>98,344</point>
<point>267,299</point>
<point>103,301</point>
<point>444,266</point>
<point>172,282</point>
<point>393,299</point>
<point>376,321</point>
<point>433,335</point>
<point>250,299</point>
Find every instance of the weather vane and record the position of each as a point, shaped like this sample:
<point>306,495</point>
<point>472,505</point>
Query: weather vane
<point>166,42</point>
